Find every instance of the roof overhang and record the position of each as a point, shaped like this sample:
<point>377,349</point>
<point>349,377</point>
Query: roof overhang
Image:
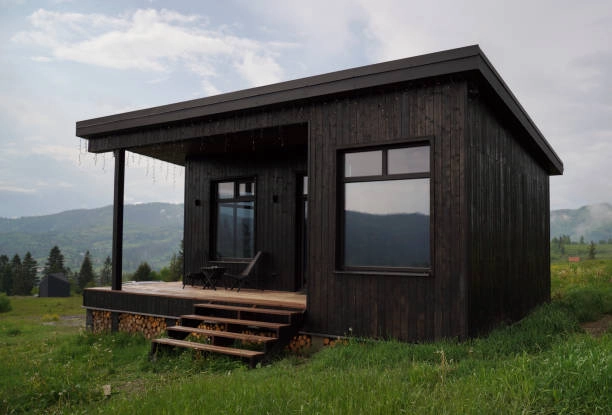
<point>445,63</point>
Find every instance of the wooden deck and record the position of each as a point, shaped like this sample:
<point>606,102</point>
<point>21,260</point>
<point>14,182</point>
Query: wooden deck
<point>170,299</point>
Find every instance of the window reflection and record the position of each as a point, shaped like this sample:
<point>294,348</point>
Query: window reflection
<point>247,189</point>
<point>225,190</point>
<point>365,163</point>
<point>235,230</point>
<point>387,223</point>
<point>408,160</point>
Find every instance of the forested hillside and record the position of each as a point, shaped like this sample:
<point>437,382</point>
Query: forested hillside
<point>592,223</point>
<point>152,233</point>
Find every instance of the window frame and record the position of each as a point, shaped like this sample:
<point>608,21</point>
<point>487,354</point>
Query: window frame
<point>216,201</point>
<point>341,267</point>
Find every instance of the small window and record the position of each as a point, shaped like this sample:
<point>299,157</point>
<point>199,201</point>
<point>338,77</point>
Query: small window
<point>225,190</point>
<point>367,163</point>
<point>386,209</point>
<point>235,219</point>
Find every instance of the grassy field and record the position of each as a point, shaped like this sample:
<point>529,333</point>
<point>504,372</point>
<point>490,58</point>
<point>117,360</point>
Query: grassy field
<point>602,251</point>
<point>544,364</point>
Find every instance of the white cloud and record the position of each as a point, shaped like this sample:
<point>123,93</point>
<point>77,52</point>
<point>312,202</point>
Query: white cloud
<point>259,70</point>
<point>152,40</point>
<point>15,189</point>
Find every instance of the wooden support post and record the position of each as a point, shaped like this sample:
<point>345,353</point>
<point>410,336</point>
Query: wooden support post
<point>118,219</point>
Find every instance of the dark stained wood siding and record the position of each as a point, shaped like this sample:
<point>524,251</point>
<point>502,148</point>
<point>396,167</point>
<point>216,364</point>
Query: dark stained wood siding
<point>489,206</point>
<point>390,306</point>
<point>275,227</point>
<point>509,271</point>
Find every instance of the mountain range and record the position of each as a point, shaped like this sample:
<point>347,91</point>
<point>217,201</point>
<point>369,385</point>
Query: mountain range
<point>153,232</point>
<point>593,222</point>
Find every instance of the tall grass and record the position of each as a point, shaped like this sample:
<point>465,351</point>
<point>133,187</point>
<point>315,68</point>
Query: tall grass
<point>542,364</point>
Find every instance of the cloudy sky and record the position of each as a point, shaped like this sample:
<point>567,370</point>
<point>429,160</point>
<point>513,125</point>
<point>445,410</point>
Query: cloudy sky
<point>63,61</point>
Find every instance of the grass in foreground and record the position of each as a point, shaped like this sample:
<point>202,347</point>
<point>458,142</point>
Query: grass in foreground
<point>543,364</point>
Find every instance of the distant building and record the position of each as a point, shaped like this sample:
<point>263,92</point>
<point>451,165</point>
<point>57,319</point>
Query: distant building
<point>574,259</point>
<point>54,285</point>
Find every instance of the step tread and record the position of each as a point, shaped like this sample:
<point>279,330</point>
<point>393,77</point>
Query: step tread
<point>221,333</point>
<point>254,323</point>
<point>209,347</point>
<point>250,309</point>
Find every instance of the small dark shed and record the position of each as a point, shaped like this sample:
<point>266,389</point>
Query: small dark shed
<point>409,199</point>
<point>54,285</point>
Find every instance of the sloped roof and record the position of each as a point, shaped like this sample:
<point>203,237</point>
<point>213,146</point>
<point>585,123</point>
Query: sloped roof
<point>449,62</point>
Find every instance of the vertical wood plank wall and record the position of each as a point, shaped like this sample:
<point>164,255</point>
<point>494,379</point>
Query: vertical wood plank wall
<point>275,226</point>
<point>489,214</point>
<point>402,307</point>
<point>509,220</point>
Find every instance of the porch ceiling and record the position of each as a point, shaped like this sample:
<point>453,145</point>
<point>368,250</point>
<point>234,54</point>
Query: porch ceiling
<point>265,142</point>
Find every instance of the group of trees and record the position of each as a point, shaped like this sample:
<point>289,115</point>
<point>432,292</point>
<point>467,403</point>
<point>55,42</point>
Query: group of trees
<point>17,276</point>
<point>173,272</point>
<point>558,244</point>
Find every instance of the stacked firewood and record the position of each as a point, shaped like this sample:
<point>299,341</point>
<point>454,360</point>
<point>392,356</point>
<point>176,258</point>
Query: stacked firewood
<point>149,326</point>
<point>259,333</point>
<point>202,338</point>
<point>333,342</point>
<point>299,344</point>
<point>101,321</point>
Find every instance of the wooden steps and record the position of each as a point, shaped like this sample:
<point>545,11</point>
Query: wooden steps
<point>212,334</point>
<point>240,312</point>
<point>251,355</point>
<point>234,329</point>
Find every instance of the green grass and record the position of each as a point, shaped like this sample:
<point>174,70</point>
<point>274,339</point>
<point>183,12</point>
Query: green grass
<point>543,364</point>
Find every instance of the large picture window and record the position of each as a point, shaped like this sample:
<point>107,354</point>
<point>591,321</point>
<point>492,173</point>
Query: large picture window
<point>386,208</point>
<point>235,219</point>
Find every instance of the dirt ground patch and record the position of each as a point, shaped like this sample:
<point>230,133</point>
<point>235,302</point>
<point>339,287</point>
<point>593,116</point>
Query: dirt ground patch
<point>599,327</point>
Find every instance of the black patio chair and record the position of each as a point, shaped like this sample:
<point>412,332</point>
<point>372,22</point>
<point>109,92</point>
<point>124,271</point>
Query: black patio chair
<point>239,280</point>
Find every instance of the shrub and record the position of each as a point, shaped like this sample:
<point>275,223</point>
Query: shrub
<point>5,303</point>
<point>589,303</point>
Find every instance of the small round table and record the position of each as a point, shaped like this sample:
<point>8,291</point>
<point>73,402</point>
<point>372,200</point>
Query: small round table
<point>211,275</point>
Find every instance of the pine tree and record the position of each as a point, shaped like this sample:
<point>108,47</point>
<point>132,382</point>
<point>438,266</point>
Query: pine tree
<point>106,273</point>
<point>55,262</point>
<point>86,274</point>
<point>177,263</point>
<point>28,275</point>
<point>592,250</point>
<point>17,275</point>
<point>6,279</point>
<point>143,273</point>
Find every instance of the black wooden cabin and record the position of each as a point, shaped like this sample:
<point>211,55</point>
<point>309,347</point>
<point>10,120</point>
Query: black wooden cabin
<point>54,285</point>
<point>409,199</point>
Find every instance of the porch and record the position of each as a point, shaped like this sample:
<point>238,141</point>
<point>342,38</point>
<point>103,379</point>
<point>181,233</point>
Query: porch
<point>215,321</point>
<point>170,300</point>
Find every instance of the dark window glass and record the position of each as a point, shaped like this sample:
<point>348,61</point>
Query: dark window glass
<point>387,213</point>
<point>236,230</point>
<point>387,223</point>
<point>247,189</point>
<point>235,227</point>
<point>408,160</point>
<point>366,163</point>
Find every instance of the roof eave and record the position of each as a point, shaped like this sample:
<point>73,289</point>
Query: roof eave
<point>454,61</point>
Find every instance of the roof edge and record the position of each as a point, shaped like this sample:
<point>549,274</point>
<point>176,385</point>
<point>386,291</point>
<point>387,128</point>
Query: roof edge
<point>114,122</point>
<point>448,62</point>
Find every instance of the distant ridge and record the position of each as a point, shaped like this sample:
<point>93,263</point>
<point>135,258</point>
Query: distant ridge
<point>152,232</point>
<point>593,222</point>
